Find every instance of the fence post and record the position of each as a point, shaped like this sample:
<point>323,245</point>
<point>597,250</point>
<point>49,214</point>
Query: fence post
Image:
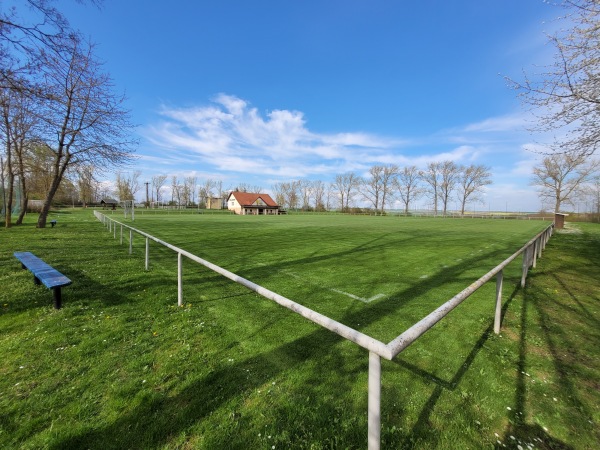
<point>535,253</point>
<point>130,242</point>
<point>121,234</point>
<point>498,315</point>
<point>179,280</point>
<point>525,266</point>
<point>115,231</point>
<point>374,413</point>
<point>147,253</point>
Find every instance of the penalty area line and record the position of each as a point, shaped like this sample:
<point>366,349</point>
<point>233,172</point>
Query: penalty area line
<point>337,291</point>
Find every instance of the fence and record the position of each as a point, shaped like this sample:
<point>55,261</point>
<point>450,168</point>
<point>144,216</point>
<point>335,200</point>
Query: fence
<point>531,251</point>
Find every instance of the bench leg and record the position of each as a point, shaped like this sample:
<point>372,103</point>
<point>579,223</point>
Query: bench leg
<point>36,280</point>
<point>57,297</point>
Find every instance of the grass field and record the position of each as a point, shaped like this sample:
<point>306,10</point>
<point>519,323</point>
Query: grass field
<point>121,366</point>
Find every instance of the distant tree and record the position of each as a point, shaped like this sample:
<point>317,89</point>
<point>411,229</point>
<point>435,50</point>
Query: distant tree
<point>432,177</point>
<point>561,177</point>
<point>318,190</point>
<point>86,183</point>
<point>278,193</point>
<point>347,185</point>
<point>408,186</point>
<point>127,185</point>
<point>158,182</point>
<point>471,182</point>
<point>450,173</point>
<point>566,98</point>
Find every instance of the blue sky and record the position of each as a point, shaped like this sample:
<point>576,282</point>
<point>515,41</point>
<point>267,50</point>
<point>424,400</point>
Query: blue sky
<point>266,91</point>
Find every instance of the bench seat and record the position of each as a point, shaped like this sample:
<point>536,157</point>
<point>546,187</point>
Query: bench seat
<point>44,273</point>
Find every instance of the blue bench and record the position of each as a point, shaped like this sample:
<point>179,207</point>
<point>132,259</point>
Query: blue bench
<point>44,273</point>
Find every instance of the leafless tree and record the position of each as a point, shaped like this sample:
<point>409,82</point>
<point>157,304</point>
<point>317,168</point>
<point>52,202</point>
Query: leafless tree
<point>318,190</point>
<point>158,182</point>
<point>85,122</point>
<point>450,173</point>
<point>408,186</point>
<point>567,97</point>
<point>432,177</point>
<point>471,182</point>
<point>372,186</point>
<point>561,177</point>
<point>347,185</point>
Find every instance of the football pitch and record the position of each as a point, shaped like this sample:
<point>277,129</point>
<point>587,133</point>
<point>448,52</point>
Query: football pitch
<point>122,366</point>
<point>378,275</point>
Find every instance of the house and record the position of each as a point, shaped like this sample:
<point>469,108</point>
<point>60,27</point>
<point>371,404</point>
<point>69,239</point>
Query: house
<point>247,203</point>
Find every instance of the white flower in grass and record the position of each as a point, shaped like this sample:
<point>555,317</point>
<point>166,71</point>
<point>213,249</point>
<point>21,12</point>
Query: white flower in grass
<point>509,408</point>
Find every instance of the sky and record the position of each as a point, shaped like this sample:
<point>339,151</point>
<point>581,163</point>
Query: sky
<point>267,91</point>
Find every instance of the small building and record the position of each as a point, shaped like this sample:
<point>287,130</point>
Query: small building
<point>214,203</point>
<point>247,203</point>
<point>559,220</point>
<point>109,203</point>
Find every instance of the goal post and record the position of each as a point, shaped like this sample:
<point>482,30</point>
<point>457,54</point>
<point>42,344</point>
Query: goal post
<point>129,209</point>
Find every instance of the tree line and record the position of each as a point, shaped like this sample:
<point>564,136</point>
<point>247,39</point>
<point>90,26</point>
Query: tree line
<point>441,182</point>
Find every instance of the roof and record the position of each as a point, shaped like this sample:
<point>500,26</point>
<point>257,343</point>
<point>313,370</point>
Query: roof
<point>109,200</point>
<point>249,198</point>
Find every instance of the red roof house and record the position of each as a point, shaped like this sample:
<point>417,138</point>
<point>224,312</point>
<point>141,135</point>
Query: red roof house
<point>247,203</point>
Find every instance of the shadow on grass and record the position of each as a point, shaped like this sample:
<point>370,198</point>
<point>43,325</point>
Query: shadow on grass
<point>158,419</point>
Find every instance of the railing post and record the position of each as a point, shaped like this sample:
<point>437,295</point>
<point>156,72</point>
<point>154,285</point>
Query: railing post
<point>374,414</point>
<point>147,253</point>
<point>498,315</point>
<point>535,253</point>
<point>121,234</point>
<point>130,242</point>
<point>179,280</point>
<point>525,266</point>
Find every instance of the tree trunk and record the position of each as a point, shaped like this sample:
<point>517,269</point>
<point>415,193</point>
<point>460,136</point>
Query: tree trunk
<point>58,176</point>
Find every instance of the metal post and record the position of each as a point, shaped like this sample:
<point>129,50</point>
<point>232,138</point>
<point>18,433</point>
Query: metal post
<point>498,315</point>
<point>525,266</point>
<point>179,281</point>
<point>535,253</point>
<point>130,242</point>
<point>147,253</point>
<point>374,415</point>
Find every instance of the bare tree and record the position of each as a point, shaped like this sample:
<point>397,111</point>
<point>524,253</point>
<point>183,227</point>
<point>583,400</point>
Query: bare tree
<point>432,177</point>
<point>318,190</point>
<point>566,99</point>
<point>561,177</point>
<point>450,173</point>
<point>372,186</point>
<point>83,118</point>
<point>408,186</point>
<point>471,182</point>
<point>347,187</point>
<point>158,182</point>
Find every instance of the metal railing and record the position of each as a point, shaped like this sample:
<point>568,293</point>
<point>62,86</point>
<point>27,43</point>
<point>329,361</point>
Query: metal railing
<point>531,251</point>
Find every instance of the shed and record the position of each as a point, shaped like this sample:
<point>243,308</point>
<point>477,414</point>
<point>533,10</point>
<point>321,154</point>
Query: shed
<point>109,203</point>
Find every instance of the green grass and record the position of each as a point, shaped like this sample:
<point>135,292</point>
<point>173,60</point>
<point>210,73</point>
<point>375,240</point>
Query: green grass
<point>121,366</point>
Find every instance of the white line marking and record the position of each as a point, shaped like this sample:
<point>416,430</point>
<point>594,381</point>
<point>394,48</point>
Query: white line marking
<point>355,297</point>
